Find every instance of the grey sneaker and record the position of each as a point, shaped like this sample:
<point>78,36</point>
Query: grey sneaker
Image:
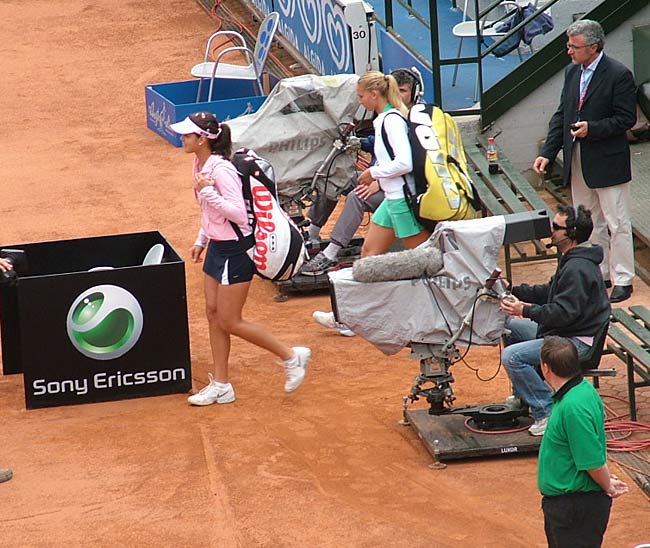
<point>295,368</point>
<point>538,427</point>
<point>5,474</point>
<point>212,394</point>
<point>317,265</point>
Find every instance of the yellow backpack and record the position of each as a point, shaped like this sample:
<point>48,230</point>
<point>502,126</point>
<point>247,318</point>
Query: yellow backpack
<point>443,190</point>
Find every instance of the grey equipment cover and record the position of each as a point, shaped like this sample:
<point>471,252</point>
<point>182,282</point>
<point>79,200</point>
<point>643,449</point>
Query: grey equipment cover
<point>295,127</point>
<point>392,314</point>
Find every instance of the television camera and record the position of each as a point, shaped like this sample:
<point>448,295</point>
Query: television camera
<point>298,130</point>
<point>458,305</point>
<point>435,364</point>
<point>295,199</point>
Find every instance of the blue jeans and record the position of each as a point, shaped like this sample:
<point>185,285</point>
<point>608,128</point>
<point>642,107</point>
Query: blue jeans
<point>521,359</point>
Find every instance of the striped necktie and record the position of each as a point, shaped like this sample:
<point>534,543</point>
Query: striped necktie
<point>585,78</point>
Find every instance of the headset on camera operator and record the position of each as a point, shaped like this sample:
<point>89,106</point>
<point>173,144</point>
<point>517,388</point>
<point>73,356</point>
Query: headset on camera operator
<point>573,304</point>
<point>361,200</point>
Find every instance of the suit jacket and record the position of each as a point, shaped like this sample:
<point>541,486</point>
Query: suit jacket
<point>610,108</point>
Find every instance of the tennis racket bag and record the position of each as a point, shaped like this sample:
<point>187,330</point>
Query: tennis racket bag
<point>279,249</point>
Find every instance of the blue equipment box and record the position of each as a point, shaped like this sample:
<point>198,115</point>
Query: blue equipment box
<point>171,102</point>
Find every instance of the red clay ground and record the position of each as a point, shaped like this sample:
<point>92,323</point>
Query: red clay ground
<point>327,466</point>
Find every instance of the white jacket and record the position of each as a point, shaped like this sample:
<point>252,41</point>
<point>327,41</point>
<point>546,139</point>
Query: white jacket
<point>390,173</point>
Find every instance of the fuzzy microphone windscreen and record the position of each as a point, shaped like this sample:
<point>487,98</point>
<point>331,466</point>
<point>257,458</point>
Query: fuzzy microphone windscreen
<point>401,265</point>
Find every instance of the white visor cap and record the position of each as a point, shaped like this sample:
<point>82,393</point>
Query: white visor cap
<point>186,127</point>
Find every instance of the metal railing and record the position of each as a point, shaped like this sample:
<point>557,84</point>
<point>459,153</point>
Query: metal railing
<point>436,63</point>
<point>531,74</point>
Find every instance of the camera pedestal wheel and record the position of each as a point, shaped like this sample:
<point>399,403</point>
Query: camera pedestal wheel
<point>499,417</point>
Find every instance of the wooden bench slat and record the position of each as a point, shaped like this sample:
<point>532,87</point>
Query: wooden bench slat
<point>489,200</point>
<point>639,353</point>
<point>503,193</point>
<point>495,182</point>
<point>632,326</point>
<point>635,356</point>
<point>642,313</point>
<point>618,313</point>
<point>495,207</point>
<point>518,180</point>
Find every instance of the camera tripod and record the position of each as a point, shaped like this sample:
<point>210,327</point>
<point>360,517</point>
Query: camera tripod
<point>435,378</point>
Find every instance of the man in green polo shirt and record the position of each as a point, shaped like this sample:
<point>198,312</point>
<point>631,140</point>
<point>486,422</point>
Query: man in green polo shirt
<point>572,476</point>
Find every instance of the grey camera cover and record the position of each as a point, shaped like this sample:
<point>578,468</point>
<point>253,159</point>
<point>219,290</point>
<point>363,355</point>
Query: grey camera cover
<point>392,314</point>
<point>295,127</point>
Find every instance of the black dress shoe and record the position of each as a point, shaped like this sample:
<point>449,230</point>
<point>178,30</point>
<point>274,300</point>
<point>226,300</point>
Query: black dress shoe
<point>620,293</point>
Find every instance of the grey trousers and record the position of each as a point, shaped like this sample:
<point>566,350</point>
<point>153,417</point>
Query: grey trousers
<point>352,216</point>
<point>320,210</point>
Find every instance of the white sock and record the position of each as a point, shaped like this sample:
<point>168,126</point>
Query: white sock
<point>332,251</point>
<point>292,361</point>
<point>221,385</point>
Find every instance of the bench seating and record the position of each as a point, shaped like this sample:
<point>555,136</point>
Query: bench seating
<point>504,193</point>
<point>629,337</point>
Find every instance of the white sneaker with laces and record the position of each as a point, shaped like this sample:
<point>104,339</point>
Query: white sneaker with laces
<point>295,368</point>
<point>326,319</point>
<point>538,427</point>
<point>211,393</point>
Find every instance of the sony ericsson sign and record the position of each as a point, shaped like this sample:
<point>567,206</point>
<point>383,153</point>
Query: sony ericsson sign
<point>104,322</point>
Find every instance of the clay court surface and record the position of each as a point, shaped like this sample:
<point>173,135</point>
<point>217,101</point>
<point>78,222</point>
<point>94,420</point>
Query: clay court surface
<point>326,466</point>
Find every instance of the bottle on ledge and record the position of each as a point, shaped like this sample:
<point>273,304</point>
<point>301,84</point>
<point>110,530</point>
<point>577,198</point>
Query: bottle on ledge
<point>492,157</point>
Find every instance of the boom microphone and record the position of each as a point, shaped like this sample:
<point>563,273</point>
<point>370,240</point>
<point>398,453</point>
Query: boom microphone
<point>549,246</point>
<point>400,265</point>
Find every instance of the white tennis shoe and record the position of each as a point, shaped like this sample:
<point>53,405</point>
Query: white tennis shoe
<point>211,393</point>
<point>295,368</point>
<point>326,319</point>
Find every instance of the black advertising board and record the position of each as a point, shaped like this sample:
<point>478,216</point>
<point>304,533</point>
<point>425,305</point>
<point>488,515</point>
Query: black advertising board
<point>89,322</point>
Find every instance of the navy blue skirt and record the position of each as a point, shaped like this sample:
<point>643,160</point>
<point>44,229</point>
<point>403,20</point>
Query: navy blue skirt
<point>227,261</point>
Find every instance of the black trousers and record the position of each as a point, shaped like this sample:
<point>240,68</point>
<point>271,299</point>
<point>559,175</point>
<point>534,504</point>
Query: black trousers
<point>576,520</point>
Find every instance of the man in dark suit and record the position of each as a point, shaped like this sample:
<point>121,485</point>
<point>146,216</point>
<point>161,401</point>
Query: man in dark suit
<point>597,106</point>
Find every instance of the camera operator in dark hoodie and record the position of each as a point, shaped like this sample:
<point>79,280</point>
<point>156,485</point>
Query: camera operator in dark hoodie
<point>573,304</point>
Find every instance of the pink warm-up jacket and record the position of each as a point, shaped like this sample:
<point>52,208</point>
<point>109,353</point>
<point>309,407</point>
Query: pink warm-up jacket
<point>221,203</point>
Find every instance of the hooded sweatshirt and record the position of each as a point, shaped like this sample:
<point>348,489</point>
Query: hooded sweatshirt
<point>222,203</point>
<point>574,302</point>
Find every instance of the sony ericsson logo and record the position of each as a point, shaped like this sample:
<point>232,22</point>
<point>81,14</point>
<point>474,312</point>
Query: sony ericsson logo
<point>104,322</point>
